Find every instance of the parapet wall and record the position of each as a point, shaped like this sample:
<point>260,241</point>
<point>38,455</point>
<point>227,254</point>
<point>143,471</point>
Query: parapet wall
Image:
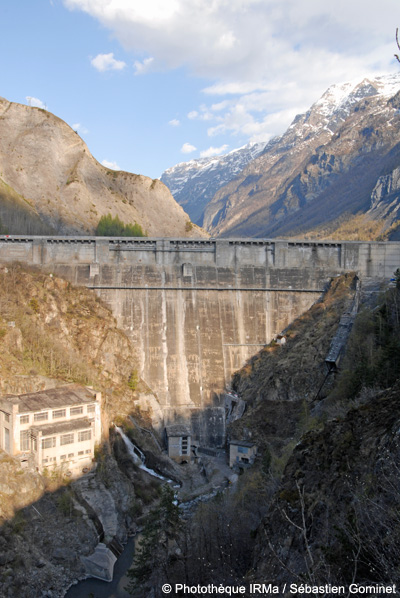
<point>371,259</point>
<point>196,310</point>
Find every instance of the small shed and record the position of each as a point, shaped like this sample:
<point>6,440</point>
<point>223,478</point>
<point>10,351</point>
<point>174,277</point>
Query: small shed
<point>241,452</point>
<point>179,443</point>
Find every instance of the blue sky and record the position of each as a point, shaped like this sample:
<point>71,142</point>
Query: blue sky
<point>150,83</point>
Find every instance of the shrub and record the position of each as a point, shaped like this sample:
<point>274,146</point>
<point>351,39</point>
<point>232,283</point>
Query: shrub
<point>114,227</point>
<point>133,380</point>
<point>65,503</point>
<point>34,305</point>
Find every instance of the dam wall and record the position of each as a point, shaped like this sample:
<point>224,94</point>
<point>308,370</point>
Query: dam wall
<point>196,310</point>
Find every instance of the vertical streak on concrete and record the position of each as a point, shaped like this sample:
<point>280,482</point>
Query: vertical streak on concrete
<point>181,375</point>
<point>164,343</point>
<point>241,306</point>
<point>222,327</point>
<point>143,301</point>
<point>199,348</point>
<point>268,334</point>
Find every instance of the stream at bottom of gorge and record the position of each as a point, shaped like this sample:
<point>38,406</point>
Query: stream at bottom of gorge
<point>95,588</point>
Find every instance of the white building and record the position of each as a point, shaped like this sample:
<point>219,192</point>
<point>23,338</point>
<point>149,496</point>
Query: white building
<point>56,428</point>
<point>179,443</point>
<point>241,453</point>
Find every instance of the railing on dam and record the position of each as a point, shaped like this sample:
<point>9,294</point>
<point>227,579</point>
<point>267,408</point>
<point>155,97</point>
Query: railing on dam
<point>371,259</point>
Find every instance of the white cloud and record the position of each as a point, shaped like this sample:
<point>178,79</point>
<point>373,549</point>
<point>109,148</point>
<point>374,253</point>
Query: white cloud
<point>174,122</point>
<point>80,128</point>
<point>111,165</point>
<point>35,102</point>
<point>262,57</point>
<point>188,148</point>
<point>202,114</point>
<point>239,42</point>
<point>214,151</point>
<point>143,67</point>
<point>107,62</point>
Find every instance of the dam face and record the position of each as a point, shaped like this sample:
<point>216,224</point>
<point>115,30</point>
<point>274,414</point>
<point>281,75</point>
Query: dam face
<point>196,310</point>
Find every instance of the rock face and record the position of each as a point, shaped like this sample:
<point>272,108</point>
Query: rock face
<point>17,487</point>
<point>193,184</point>
<point>43,548</point>
<point>281,382</point>
<point>48,175</point>
<point>331,446</point>
<point>61,334</point>
<point>330,519</point>
<point>385,198</point>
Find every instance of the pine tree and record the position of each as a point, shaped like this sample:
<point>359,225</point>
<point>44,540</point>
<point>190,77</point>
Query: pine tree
<point>150,564</point>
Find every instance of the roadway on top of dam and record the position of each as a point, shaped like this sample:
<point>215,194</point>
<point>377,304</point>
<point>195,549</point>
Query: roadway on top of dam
<point>367,258</point>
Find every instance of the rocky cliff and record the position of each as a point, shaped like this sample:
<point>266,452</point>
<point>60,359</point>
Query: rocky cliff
<point>330,449</point>
<point>53,333</point>
<point>334,518</point>
<point>49,182</point>
<point>280,384</point>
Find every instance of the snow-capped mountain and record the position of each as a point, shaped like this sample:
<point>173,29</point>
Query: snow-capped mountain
<point>249,190</point>
<point>326,164</point>
<point>193,184</point>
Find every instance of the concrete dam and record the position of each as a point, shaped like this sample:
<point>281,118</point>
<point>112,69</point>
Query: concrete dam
<point>197,309</point>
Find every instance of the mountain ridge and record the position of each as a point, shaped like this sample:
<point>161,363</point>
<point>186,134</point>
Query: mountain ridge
<point>50,167</point>
<point>191,185</point>
<point>323,170</point>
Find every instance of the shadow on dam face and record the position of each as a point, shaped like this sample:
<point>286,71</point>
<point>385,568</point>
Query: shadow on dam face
<point>198,309</point>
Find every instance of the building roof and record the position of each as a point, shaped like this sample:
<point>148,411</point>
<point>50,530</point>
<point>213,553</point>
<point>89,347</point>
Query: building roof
<point>243,443</point>
<point>82,423</point>
<point>53,398</point>
<point>177,430</point>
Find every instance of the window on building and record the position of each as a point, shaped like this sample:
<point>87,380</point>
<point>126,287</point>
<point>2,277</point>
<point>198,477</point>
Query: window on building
<point>38,417</point>
<point>90,408</point>
<point>70,455</point>
<point>34,444</point>
<point>7,417</point>
<point>24,440</point>
<point>76,411</point>
<point>66,439</point>
<point>45,460</point>
<point>24,419</point>
<point>59,413</point>
<point>85,435</point>
<point>243,449</point>
<point>184,445</point>
<point>80,453</point>
<point>63,457</point>
<point>49,442</point>
<point>88,451</point>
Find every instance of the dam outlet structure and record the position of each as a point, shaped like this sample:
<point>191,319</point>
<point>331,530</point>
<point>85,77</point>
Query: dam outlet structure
<point>198,309</point>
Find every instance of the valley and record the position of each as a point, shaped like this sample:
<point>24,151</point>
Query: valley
<point>246,383</point>
<point>335,165</point>
<point>282,387</point>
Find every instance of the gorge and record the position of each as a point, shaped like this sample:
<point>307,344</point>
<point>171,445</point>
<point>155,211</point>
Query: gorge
<point>197,309</point>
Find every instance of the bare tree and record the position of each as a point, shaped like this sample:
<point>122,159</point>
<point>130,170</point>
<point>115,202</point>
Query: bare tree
<point>398,44</point>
